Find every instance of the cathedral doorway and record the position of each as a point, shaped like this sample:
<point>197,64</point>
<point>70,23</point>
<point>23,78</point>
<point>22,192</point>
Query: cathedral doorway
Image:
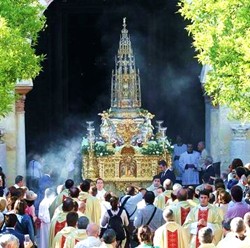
<point>80,43</point>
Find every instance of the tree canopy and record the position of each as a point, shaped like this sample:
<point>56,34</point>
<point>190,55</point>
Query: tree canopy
<point>221,34</point>
<point>20,22</point>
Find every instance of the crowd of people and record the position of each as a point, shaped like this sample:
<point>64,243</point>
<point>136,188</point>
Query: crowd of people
<point>186,206</point>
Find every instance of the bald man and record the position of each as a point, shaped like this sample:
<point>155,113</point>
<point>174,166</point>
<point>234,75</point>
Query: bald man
<point>182,207</point>
<point>92,240</point>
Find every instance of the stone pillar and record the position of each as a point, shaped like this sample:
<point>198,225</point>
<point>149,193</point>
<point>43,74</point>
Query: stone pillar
<point>22,90</point>
<point>2,151</point>
<point>20,138</point>
<point>240,146</point>
<point>208,124</point>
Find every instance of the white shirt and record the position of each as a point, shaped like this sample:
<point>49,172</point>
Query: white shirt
<point>100,194</point>
<point>90,241</point>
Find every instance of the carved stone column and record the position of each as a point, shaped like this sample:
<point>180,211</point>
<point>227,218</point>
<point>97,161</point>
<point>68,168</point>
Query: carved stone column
<point>2,150</point>
<point>240,146</point>
<point>21,90</point>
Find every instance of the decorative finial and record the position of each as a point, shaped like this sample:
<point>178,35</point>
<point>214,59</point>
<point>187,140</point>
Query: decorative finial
<point>124,22</point>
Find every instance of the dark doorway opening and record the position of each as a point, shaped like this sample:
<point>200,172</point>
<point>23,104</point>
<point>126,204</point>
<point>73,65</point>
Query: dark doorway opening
<point>80,43</point>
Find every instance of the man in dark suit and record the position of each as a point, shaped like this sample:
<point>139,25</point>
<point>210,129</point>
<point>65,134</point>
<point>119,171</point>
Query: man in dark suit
<point>166,173</point>
<point>10,223</point>
<point>209,171</point>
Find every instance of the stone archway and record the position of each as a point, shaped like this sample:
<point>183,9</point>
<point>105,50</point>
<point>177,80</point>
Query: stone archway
<point>46,3</point>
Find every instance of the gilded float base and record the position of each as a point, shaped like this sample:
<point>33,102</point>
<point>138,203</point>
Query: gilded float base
<point>126,167</point>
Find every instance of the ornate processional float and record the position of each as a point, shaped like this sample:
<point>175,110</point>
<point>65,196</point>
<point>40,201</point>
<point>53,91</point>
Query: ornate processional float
<point>128,150</point>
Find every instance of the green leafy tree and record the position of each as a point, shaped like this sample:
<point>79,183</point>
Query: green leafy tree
<point>221,34</point>
<point>20,22</point>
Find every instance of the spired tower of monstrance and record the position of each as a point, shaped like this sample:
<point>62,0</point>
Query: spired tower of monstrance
<point>128,151</point>
<point>125,84</point>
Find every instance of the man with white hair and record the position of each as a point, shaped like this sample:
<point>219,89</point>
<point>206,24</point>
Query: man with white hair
<point>9,241</point>
<point>170,232</point>
<point>247,223</point>
<point>173,199</point>
<point>238,236</point>
<point>93,239</point>
<point>208,169</point>
<point>204,154</point>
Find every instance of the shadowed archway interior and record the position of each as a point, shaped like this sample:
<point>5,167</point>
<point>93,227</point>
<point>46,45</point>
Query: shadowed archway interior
<point>80,43</point>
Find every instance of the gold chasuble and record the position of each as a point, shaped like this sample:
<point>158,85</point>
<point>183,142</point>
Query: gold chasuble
<point>60,238</point>
<point>211,215</point>
<point>162,199</point>
<point>57,224</point>
<point>74,237</point>
<point>58,201</point>
<point>93,206</point>
<point>171,235</point>
<point>180,210</point>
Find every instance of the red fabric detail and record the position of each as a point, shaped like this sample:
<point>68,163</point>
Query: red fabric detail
<point>76,241</point>
<point>184,213</point>
<point>38,223</point>
<point>166,199</point>
<point>63,241</point>
<point>64,197</point>
<point>59,226</point>
<point>202,214</point>
<point>172,238</point>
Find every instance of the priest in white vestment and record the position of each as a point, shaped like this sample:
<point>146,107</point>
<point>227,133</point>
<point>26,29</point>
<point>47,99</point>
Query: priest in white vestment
<point>189,163</point>
<point>100,189</point>
<point>179,148</point>
<point>44,216</point>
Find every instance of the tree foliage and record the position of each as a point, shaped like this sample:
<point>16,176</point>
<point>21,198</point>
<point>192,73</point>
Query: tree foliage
<point>20,22</point>
<point>221,34</point>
